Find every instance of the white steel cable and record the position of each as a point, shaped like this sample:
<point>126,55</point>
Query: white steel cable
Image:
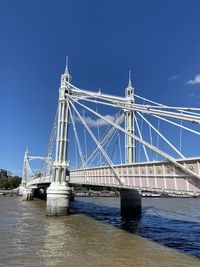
<point>77,139</point>
<point>98,135</point>
<point>157,141</point>
<point>98,144</point>
<point>85,141</point>
<point>119,118</point>
<point>180,144</point>
<point>140,135</point>
<point>162,136</point>
<point>178,125</point>
<point>75,148</point>
<point>163,154</point>
<point>120,147</point>
<point>147,110</point>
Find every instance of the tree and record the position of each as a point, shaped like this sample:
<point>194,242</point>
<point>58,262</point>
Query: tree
<point>10,183</point>
<point>15,181</point>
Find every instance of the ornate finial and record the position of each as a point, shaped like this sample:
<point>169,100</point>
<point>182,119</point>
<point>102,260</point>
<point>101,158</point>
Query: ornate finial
<point>129,79</point>
<point>66,67</point>
<point>66,76</point>
<point>129,91</point>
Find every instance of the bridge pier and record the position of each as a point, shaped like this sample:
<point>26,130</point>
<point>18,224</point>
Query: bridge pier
<point>131,206</point>
<point>58,197</point>
<point>28,194</point>
<point>21,189</point>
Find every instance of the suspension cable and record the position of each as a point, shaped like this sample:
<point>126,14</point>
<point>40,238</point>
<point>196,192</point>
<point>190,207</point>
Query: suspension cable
<point>77,139</point>
<point>98,144</point>
<point>163,154</point>
<point>140,135</point>
<point>178,125</point>
<point>151,140</point>
<point>141,127</point>
<point>157,141</point>
<point>120,147</point>
<point>107,143</point>
<point>75,147</point>
<point>149,110</point>
<point>120,102</point>
<point>98,136</point>
<point>119,118</point>
<point>162,136</point>
<point>110,140</point>
<point>181,129</point>
<point>85,142</point>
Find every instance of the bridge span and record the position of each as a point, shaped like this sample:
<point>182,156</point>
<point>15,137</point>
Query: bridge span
<point>151,176</point>
<point>164,167</point>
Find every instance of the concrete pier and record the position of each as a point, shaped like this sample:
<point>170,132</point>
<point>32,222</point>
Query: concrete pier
<point>28,194</point>
<point>131,206</point>
<point>21,190</point>
<point>58,197</point>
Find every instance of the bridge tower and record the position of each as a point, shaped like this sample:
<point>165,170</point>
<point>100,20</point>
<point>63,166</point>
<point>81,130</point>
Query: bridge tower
<point>130,198</point>
<point>129,124</point>
<point>58,192</point>
<point>24,173</point>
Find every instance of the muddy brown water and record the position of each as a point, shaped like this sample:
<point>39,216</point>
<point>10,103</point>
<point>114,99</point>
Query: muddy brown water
<point>168,234</point>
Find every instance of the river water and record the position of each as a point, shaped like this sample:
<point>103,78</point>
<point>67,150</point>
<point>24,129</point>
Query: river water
<point>168,234</point>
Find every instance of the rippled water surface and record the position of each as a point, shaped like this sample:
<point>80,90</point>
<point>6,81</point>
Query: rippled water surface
<point>168,234</point>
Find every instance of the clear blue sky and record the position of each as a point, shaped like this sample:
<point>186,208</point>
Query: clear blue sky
<point>158,40</point>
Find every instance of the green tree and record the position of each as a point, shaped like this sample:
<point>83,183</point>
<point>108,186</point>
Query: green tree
<point>14,181</point>
<point>4,183</point>
<point>10,183</point>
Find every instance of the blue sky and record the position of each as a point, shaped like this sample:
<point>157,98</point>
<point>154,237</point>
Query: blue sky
<point>158,40</point>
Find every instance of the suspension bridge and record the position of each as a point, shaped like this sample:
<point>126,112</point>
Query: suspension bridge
<point>128,142</point>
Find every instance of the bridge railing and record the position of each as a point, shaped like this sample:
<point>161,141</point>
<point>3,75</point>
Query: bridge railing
<point>152,176</point>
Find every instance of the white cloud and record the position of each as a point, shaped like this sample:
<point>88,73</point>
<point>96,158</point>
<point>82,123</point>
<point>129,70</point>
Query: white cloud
<point>196,80</point>
<point>98,122</point>
<point>174,77</point>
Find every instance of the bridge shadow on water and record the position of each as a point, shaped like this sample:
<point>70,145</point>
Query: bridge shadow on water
<point>178,234</point>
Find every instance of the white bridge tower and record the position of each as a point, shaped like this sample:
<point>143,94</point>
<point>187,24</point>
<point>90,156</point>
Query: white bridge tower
<point>130,199</point>
<point>58,193</point>
<point>129,124</point>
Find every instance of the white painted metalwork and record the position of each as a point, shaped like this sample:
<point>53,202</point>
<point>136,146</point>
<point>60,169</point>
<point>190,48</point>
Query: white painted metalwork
<point>97,143</point>
<point>129,124</point>
<point>140,135</point>
<point>162,136</point>
<point>77,139</point>
<point>153,148</point>
<point>169,175</point>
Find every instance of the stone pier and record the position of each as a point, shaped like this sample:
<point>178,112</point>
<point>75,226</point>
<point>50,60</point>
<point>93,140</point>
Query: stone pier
<point>131,206</point>
<point>21,189</point>
<point>58,197</point>
<point>28,194</point>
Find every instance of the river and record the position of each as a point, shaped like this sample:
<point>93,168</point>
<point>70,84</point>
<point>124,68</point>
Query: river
<point>168,234</point>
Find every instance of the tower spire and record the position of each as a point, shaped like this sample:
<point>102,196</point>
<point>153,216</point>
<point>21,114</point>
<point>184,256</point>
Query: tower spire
<point>129,79</point>
<point>129,91</point>
<point>66,66</point>
<point>66,77</point>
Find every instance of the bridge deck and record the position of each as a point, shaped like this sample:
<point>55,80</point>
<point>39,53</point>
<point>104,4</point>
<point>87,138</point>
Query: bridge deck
<point>152,176</point>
